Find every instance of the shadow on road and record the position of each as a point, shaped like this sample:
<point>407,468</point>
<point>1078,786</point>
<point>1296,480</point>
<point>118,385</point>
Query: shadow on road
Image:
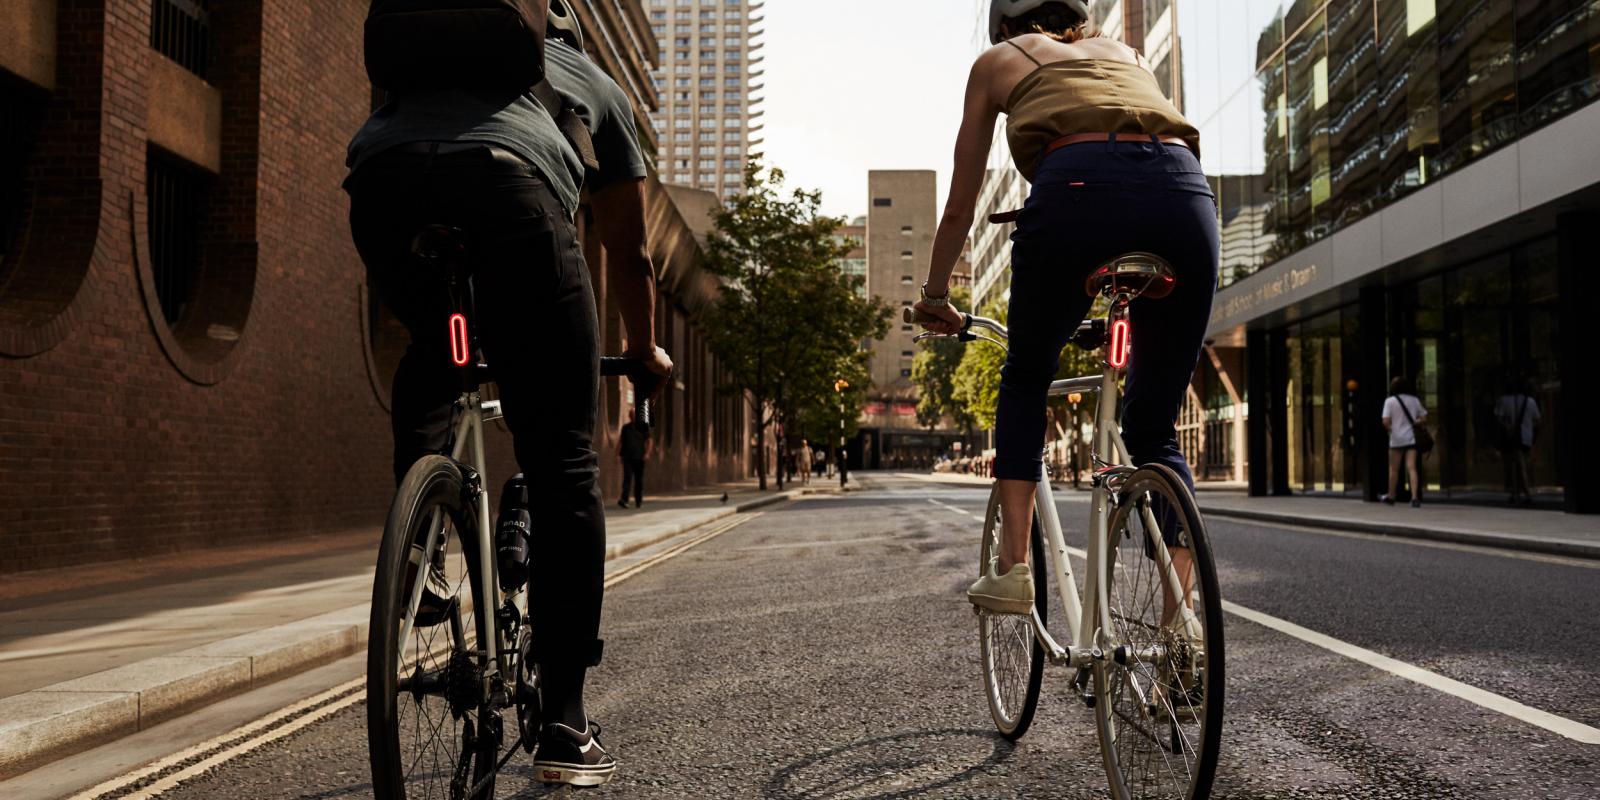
<point>898,765</point>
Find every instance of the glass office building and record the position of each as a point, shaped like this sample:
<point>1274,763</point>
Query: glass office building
<point>1405,188</point>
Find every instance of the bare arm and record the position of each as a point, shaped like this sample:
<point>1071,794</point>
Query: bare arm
<point>619,213</point>
<point>966,178</point>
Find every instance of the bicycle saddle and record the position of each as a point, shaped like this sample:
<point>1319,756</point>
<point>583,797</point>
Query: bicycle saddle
<point>1135,275</point>
<point>439,244</point>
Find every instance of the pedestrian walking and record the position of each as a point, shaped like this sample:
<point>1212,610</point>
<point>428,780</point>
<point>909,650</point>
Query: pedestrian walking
<point>804,463</point>
<point>1518,416</point>
<point>1404,418</point>
<point>632,451</point>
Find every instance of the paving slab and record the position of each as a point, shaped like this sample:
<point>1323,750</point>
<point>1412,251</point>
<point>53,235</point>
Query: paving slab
<point>36,727</point>
<point>167,686</point>
<point>126,660</point>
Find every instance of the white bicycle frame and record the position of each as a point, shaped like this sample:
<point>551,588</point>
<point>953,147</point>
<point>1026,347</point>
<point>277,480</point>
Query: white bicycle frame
<point>1089,626</point>
<point>475,412</point>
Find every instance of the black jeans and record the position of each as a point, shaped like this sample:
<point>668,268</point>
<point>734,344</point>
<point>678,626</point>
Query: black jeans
<point>1091,203</point>
<point>537,324</point>
<point>633,477</point>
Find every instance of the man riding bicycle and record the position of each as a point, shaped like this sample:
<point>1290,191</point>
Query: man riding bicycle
<point>1115,169</point>
<point>497,166</point>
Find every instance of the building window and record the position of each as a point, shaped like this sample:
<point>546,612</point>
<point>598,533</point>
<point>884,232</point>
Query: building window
<point>181,31</point>
<point>907,230</point>
<point>882,202</point>
<point>908,354</point>
<point>905,373</point>
<point>177,201</point>
<point>907,255</point>
<point>907,280</point>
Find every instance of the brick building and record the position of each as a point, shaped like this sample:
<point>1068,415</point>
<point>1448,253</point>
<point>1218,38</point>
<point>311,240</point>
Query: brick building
<point>187,351</point>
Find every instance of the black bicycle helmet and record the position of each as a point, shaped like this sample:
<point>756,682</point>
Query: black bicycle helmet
<point>1073,13</point>
<point>563,25</point>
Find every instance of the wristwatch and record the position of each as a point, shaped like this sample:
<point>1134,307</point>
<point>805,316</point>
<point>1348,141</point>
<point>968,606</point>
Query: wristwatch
<point>942,300</point>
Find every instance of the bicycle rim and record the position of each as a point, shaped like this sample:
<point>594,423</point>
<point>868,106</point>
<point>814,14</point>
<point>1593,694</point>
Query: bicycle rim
<point>1012,657</point>
<point>426,736</point>
<point>1160,698</point>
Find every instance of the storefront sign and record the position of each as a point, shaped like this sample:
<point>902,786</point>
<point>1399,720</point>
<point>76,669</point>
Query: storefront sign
<point>1271,292</point>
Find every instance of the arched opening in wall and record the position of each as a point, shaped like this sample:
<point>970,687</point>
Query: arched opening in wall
<point>19,130</point>
<point>49,181</point>
<point>197,262</point>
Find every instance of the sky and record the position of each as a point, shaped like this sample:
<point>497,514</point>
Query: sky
<point>857,85</point>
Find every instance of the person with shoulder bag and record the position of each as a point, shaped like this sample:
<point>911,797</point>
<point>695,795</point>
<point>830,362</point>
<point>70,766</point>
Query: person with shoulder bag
<point>1404,417</point>
<point>493,122</point>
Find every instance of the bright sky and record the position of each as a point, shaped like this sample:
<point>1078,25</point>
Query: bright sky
<point>857,85</point>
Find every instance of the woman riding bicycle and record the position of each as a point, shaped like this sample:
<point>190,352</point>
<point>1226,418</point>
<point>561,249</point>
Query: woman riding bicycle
<point>1115,169</point>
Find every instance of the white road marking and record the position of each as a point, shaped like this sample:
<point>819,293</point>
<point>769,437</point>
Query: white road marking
<point>948,507</point>
<point>1560,726</point>
<point>234,743</point>
<point>272,727</point>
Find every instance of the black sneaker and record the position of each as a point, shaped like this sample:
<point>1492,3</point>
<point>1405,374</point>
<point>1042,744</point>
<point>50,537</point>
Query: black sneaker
<point>437,597</point>
<point>576,759</point>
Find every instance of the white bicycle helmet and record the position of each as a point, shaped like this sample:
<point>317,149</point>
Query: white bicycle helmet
<point>1002,10</point>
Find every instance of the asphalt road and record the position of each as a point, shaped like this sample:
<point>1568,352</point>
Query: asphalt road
<point>824,650</point>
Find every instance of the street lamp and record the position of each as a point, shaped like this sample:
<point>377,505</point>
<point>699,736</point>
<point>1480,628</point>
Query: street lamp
<point>838,387</point>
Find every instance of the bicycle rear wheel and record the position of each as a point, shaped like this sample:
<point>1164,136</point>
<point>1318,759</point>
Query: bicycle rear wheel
<point>425,733</point>
<point>1160,695</point>
<point>1013,658</point>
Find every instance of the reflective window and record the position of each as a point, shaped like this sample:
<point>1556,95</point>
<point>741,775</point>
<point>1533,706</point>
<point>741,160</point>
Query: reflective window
<point>1313,114</point>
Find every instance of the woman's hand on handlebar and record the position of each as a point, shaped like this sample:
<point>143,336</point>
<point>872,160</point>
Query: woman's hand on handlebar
<point>655,359</point>
<point>948,319</point>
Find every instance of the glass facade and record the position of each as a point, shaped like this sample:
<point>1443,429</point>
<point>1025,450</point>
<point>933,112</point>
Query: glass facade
<point>1315,113</point>
<point>1468,339</point>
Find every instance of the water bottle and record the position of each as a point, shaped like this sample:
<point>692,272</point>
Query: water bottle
<point>511,534</point>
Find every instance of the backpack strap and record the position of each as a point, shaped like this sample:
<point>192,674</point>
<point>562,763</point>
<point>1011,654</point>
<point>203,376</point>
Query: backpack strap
<point>1401,399</point>
<point>1029,56</point>
<point>568,121</point>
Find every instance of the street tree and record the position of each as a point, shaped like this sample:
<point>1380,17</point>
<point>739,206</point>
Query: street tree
<point>788,322</point>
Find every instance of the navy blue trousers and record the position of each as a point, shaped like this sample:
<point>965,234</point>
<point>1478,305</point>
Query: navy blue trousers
<point>1090,203</point>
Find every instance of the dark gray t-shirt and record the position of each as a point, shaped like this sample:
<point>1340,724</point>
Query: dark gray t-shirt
<point>519,124</point>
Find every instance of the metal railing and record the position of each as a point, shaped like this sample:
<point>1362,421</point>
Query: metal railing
<point>181,31</point>
<point>176,198</point>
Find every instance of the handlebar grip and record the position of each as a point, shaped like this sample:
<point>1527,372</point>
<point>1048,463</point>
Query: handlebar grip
<point>645,383</point>
<point>913,316</point>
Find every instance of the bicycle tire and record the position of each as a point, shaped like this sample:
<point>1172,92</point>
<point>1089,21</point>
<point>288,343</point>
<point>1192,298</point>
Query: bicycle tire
<point>996,630</point>
<point>434,483</point>
<point>1128,748</point>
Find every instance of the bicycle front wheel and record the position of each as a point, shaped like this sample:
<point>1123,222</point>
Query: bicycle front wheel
<point>426,736</point>
<point>1013,658</point>
<point>1159,696</point>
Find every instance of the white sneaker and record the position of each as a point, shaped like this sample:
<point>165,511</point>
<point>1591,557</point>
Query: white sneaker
<point>1011,593</point>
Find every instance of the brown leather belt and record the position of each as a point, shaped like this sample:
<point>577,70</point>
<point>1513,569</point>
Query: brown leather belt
<point>1085,138</point>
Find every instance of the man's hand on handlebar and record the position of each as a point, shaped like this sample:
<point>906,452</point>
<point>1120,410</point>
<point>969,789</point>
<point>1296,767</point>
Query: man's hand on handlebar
<point>945,320</point>
<point>656,360</point>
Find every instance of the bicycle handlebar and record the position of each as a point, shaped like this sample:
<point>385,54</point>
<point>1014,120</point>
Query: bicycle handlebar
<point>645,383</point>
<point>969,321</point>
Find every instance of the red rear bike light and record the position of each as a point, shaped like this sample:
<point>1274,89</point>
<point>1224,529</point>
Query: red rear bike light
<point>1119,344</point>
<point>460,349</point>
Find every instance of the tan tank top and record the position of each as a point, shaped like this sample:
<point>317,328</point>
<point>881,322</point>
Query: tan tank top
<point>1089,95</point>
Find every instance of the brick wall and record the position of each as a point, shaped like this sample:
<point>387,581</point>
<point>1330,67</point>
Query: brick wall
<point>117,439</point>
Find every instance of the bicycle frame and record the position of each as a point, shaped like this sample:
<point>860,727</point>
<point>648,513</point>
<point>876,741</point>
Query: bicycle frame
<point>1089,623</point>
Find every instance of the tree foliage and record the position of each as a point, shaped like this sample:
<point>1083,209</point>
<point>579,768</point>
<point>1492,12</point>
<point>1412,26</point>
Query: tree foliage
<point>934,373</point>
<point>976,384</point>
<point>788,322</point>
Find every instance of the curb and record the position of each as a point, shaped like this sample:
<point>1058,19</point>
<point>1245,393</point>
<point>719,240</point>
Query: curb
<point>56,721</point>
<point>1558,547</point>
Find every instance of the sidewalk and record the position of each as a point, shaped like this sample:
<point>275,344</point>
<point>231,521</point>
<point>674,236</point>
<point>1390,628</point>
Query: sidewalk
<point>1528,530</point>
<point>89,654</point>
<point>1523,529</point>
